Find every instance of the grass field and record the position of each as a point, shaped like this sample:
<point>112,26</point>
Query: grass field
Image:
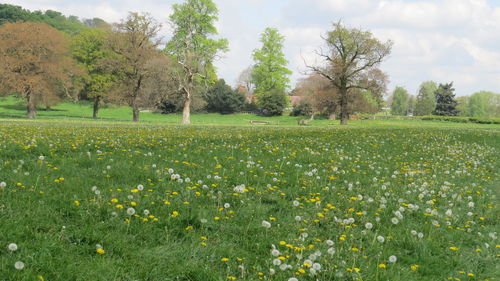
<point>122,201</point>
<point>14,109</point>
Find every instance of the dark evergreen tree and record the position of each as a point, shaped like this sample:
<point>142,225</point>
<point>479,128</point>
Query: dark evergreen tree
<point>273,102</point>
<point>222,99</point>
<point>446,105</point>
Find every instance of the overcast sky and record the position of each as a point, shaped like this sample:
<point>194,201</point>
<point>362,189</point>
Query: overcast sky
<point>440,40</point>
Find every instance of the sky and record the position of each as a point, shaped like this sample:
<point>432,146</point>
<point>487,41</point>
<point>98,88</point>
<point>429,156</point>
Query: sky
<point>441,40</point>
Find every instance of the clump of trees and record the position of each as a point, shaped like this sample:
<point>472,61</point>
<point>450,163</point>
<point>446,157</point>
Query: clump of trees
<point>46,57</point>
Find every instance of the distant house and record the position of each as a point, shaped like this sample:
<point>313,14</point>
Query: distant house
<point>249,97</point>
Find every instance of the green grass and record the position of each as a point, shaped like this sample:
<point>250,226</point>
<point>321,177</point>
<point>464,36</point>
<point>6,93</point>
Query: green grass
<point>14,109</point>
<point>367,172</point>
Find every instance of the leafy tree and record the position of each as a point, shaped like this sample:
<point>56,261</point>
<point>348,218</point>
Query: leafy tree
<point>134,41</point>
<point>34,63</point>
<point>97,23</point>
<point>446,105</point>
<point>399,104</point>
<point>320,93</point>
<point>426,99</point>
<point>483,104</point>
<point>269,72</point>
<point>193,49</point>
<point>350,57</point>
<point>463,106</point>
<point>363,101</point>
<point>222,99</point>
<point>411,105</point>
<point>92,52</point>
<point>273,102</point>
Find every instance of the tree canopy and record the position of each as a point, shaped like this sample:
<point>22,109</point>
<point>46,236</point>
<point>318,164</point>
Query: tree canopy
<point>34,62</point>
<point>350,57</point>
<point>67,24</point>
<point>270,72</point>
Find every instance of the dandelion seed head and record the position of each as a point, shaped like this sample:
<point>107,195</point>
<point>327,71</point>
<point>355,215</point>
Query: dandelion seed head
<point>19,265</point>
<point>12,247</point>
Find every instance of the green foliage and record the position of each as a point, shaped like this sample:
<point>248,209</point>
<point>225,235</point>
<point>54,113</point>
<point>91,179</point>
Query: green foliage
<point>222,99</point>
<point>460,119</point>
<point>270,72</point>
<point>302,108</point>
<point>192,45</point>
<point>484,104</point>
<point>426,99</point>
<point>67,24</point>
<point>273,102</point>
<point>90,49</point>
<point>446,105</point>
<point>399,104</point>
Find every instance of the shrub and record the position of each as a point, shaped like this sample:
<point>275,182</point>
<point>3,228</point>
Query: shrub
<point>222,99</point>
<point>302,108</point>
<point>273,103</point>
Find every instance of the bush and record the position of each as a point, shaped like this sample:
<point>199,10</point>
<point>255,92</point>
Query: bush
<point>273,103</point>
<point>455,119</point>
<point>302,108</point>
<point>222,99</point>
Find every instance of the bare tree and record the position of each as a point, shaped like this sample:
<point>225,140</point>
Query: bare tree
<point>135,41</point>
<point>350,56</point>
<point>245,79</point>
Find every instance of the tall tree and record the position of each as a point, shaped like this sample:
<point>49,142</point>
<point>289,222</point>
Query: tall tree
<point>192,47</point>
<point>92,52</point>
<point>135,41</point>
<point>34,62</point>
<point>446,105</point>
<point>400,99</point>
<point>270,72</point>
<point>350,56</point>
<point>426,99</point>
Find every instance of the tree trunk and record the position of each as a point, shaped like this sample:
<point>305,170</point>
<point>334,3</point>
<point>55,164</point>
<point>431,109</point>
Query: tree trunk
<point>343,107</point>
<point>31,108</point>
<point>96,107</point>
<point>135,112</point>
<point>186,111</point>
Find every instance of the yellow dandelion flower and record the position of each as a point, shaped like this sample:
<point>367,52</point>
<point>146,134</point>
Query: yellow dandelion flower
<point>100,251</point>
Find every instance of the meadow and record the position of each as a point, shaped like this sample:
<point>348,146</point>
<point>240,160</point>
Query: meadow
<point>121,201</point>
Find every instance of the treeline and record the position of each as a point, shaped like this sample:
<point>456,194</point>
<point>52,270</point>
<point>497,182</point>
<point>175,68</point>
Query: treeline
<point>440,100</point>
<point>46,57</point>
